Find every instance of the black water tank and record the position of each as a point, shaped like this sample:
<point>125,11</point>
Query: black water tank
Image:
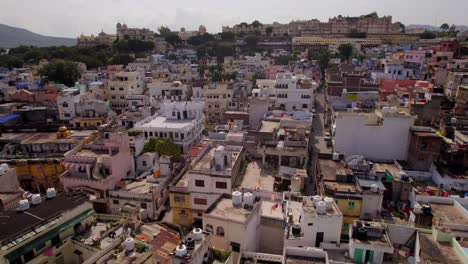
<point>190,242</point>
<point>296,230</point>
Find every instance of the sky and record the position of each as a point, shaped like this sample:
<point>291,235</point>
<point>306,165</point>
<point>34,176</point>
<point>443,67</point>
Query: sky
<point>70,18</point>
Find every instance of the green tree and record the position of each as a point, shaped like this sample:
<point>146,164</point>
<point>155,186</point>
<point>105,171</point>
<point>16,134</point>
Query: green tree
<point>345,50</point>
<point>427,35</point>
<point>256,24</point>
<point>164,31</point>
<point>162,146</point>
<point>61,71</point>
<point>323,60</point>
<point>227,36</point>
<point>444,27</point>
<point>268,31</point>
<point>284,60</point>
<point>121,59</point>
<point>402,26</point>
<point>252,41</point>
<point>243,24</point>
<point>354,33</point>
<point>173,39</point>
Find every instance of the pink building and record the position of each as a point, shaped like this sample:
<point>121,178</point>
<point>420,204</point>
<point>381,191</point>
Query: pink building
<point>98,165</point>
<point>270,72</point>
<point>415,56</point>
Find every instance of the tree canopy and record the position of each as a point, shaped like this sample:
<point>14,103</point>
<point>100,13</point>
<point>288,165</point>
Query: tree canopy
<point>61,71</point>
<point>427,35</point>
<point>164,31</point>
<point>345,50</point>
<point>162,146</point>
<point>354,33</point>
<point>444,26</point>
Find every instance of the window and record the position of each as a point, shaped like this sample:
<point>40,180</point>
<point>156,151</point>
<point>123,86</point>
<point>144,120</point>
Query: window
<point>200,201</point>
<point>143,205</point>
<point>115,201</point>
<point>221,185</point>
<point>220,231</point>
<point>345,227</point>
<point>143,163</point>
<point>351,205</point>
<point>304,106</point>
<point>235,246</point>
<point>65,104</point>
<point>423,146</point>
<point>179,199</point>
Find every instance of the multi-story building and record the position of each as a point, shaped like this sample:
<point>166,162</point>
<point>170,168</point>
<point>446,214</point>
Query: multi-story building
<point>44,229</point>
<point>98,165</point>
<point>332,44</point>
<point>368,134</point>
<point>215,172</point>
<point>123,85</point>
<point>217,96</point>
<point>10,191</point>
<point>171,91</point>
<point>126,33</point>
<point>182,122</point>
<point>101,39</point>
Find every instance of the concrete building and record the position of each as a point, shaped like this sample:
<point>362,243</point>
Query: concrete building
<point>217,96</point>
<point>10,190</point>
<point>171,91</point>
<point>122,85</point>
<point>126,33</point>
<point>97,166</point>
<point>424,148</point>
<point>368,134</point>
<point>101,39</point>
<point>182,122</point>
<point>213,173</point>
<point>369,242</point>
<point>312,221</point>
<point>45,229</point>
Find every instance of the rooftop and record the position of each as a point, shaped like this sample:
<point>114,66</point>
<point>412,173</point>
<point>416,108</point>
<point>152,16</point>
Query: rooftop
<point>16,223</point>
<point>448,214</point>
<point>207,161</point>
<point>269,126</point>
<point>436,252</point>
<point>256,177</point>
<point>163,239</point>
<point>47,138</point>
<point>163,122</point>
<point>225,209</point>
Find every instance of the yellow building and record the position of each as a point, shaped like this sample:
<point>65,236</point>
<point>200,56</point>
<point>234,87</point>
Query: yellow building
<point>39,174</point>
<point>348,199</point>
<point>179,200</point>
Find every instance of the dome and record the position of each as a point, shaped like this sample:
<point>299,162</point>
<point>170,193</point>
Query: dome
<point>63,129</point>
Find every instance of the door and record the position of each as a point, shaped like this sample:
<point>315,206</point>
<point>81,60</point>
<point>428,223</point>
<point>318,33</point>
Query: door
<point>319,239</point>
<point>369,256</point>
<point>358,255</point>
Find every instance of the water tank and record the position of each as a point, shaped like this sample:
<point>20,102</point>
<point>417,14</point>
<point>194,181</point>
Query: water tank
<point>336,156</point>
<point>51,193</point>
<point>36,199</point>
<point>316,199</point>
<point>181,250</point>
<point>280,145</point>
<point>197,234</point>
<point>417,208</point>
<point>296,230</point>
<point>329,202</point>
<point>453,120</point>
<point>374,188</point>
<point>236,198</point>
<point>23,205</point>
<point>321,208</point>
<point>2,171</point>
<point>129,244</point>
<point>5,166</point>
<point>385,109</point>
<point>248,199</point>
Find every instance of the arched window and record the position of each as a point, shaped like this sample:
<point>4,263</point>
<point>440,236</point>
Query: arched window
<point>209,228</point>
<point>220,231</point>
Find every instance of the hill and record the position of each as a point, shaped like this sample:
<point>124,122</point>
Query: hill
<point>11,37</point>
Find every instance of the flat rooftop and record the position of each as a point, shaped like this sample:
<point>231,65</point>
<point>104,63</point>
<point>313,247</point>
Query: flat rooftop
<point>310,208</point>
<point>269,210</point>
<point>448,214</point>
<point>304,260</point>
<point>257,178</point>
<point>268,126</point>
<point>143,187</point>
<point>163,122</point>
<point>226,210</point>
<point>163,239</point>
<point>340,187</point>
<point>46,138</point>
<point>382,167</point>
<point>204,164</point>
<point>15,223</point>
<point>436,252</point>
<point>330,169</point>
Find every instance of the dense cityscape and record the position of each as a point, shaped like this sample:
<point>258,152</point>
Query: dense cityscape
<point>338,141</point>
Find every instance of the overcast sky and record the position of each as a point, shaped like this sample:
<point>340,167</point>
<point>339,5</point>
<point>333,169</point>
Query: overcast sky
<point>70,18</point>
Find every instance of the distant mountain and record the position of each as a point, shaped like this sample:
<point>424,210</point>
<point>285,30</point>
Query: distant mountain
<point>432,28</point>
<point>11,37</point>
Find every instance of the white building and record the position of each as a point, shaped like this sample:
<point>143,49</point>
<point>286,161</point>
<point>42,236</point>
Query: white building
<point>122,85</point>
<point>369,242</point>
<point>172,91</point>
<point>312,222</point>
<point>182,122</point>
<point>379,136</point>
<point>290,92</point>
